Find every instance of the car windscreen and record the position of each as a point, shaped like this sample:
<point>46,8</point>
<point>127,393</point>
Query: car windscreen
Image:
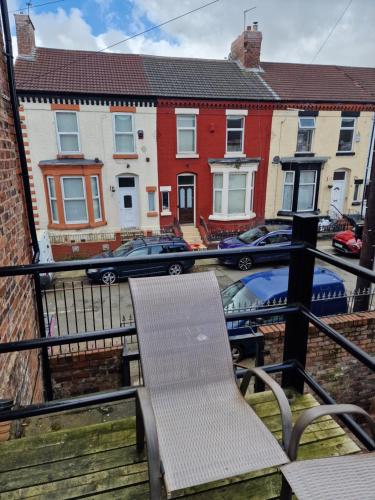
<point>123,249</point>
<point>253,234</point>
<point>238,296</point>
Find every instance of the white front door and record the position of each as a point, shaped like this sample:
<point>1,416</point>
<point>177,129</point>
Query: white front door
<point>338,192</point>
<point>128,200</point>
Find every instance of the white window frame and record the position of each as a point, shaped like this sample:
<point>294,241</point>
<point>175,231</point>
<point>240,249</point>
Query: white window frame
<point>85,198</point>
<point>228,129</point>
<point>96,177</point>
<point>353,128</point>
<point>248,169</point>
<point>288,184</point>
<point>214,193</point>
<point>132,133</point>
<point>300,127</point>
<point>58,134</point>
<point>52,198</point>
<point>246,189</point>
<point>165,211</point>
<point>180,153</point>
<point>151,194</point>
<point>307,184</point>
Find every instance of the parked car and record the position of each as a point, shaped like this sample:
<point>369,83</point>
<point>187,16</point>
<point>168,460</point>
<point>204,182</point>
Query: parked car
<point>269,289</point>
<point>275,236</point>
<point>346,242</point>
<point>45,256</point>
<point>139,247</point>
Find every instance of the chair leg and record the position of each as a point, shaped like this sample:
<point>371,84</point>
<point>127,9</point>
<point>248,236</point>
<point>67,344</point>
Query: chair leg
<point>139,428</point>
<point>286,490</point>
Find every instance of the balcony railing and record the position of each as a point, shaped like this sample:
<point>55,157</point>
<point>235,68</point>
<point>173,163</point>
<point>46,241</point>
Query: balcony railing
<point>296,311</point>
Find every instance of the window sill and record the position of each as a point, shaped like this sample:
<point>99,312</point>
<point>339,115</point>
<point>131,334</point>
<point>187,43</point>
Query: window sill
<point>84,225</point>
<point>345,153</point>
<point>165,213</point>
<point>234,155</point>
<point>187,155</point>
<point>152,214</point>
<point>73,156</point>
<point>223,217</point>
<point>120,156</point>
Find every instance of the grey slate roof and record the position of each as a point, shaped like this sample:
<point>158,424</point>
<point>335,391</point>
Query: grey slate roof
<point>203,78</point>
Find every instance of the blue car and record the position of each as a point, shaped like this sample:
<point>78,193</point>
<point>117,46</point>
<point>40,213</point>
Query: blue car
<point>260,236</point>
<point>270,288</point>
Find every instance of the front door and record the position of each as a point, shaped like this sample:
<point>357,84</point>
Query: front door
<point>128,200</point>
<point>186,199</point>
<point>338,192</point>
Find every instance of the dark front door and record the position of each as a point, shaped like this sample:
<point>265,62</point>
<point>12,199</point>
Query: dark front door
<point>186,204</point>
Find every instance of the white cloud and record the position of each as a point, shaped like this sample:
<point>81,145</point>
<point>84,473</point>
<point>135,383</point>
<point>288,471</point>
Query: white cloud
<point>293,30</point>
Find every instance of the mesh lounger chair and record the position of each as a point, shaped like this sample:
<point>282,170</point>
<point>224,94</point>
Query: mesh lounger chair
<point>198,426</point>
<point>348,477</point>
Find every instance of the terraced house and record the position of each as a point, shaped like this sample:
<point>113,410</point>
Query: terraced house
<point>122,141</point>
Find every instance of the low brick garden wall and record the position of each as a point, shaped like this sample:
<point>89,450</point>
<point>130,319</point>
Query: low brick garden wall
<point>339,373</point>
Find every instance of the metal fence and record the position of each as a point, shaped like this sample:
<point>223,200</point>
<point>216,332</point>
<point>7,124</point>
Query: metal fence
<point>80,306</point>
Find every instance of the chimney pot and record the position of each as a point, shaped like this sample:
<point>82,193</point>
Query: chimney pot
<point>255,26</point>
<point>25,36</point>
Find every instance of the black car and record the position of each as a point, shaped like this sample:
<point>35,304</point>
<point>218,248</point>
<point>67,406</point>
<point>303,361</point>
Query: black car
<point>140,247</point>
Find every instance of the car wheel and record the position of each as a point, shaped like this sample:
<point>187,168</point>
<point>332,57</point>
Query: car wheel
<point>175,269</point>
<point>108,278</point>
<point>237,352</point>
<point>245,263</point>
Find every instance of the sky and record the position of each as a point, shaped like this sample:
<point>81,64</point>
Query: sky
<point>293,30</point>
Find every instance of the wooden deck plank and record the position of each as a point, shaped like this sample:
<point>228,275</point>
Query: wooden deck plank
<point>100,461</point>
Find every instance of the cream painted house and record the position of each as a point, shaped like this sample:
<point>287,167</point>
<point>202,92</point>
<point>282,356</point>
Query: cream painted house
<point>318,161</point>
<point>93,166</point>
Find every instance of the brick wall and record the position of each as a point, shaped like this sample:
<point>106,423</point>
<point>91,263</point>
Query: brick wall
<point>96,370</point>
<point>19,377</point>
<point>83,250</point>
<point>345,378</point>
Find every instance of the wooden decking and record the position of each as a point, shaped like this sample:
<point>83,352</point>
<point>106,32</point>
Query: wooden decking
<point>100,461</point>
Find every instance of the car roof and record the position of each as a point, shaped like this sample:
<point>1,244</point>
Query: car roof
<point>276,227</point>
<point>268,284</point>
<point>156,240</point>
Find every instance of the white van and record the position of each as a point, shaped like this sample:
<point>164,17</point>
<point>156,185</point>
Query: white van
<point>45,256</point>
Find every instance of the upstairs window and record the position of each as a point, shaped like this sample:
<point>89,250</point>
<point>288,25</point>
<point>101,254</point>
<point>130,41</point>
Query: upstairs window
<point>67,132</point>
<point>74,200</point>
<point>124,133</point>
<point>306,127</point>
<point>235,131</point>
<point>186,134</point>
<point>346,134</point>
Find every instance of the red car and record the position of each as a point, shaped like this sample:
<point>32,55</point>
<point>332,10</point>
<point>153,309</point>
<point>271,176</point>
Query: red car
<point>345,242</point>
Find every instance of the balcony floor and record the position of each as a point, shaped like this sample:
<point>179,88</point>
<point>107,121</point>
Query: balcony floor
<point>100,461</point>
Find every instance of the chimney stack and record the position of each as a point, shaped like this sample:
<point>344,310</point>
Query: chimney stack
<point>246,47</point>
<point>25,36</point>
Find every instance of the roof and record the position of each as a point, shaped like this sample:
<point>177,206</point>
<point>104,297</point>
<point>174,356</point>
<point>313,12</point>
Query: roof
<point>318,82</point>
<point>203,78</point>
<point>85,72</point>
<point>80,71</point>
<point>267,285</point>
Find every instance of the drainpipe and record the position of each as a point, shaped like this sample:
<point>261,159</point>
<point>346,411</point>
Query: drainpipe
<point>369,164</point>
<point>17,126</point>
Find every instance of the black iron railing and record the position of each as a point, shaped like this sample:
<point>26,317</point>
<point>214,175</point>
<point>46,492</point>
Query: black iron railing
<point>297,313</point>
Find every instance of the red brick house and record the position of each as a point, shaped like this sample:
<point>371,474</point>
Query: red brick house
<point>212,139</point>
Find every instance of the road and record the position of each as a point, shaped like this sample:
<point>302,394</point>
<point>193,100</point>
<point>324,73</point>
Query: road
<point>82,306</point>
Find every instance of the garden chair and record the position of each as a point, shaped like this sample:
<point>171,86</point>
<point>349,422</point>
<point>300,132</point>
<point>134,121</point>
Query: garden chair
<point>349,477</point>
<point>198,426</point>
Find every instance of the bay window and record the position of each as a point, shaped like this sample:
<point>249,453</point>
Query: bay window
<point>306,127</point>
<point>186,134</point>
<point>53,199</point>
<point>74,200</point>
<point>235,133</point>
<point>94,179</point>
<point>306,190</point>
<point>288,190</point>
<point>123,125</point>
<point>346,134</point>
<point>67,132</point>
<point>301,187</point>
<point>232,192</point>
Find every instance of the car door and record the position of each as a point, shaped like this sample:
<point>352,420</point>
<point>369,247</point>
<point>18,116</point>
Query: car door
<point>276,240</point>
<point>161,266</point>
<point>137,269</point>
